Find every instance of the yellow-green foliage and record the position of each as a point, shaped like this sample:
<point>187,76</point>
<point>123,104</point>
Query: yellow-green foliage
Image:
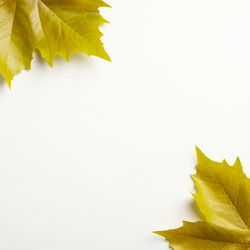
<point>53,27</point>
<point>223,196</point>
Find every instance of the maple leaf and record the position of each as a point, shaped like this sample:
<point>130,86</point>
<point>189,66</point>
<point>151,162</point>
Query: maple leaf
<point>223,196</point>
<point>53,27</point>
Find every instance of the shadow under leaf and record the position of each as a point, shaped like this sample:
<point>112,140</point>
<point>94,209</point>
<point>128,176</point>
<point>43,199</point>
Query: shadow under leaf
<point>193,207</point>
<point>2,81</point>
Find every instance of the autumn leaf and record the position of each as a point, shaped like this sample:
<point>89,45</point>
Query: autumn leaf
<point>53,27</point>
<point>223,196</point>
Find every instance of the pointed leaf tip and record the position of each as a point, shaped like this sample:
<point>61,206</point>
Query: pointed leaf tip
<point>157,232</point>
<point>238,162</point>
<point>200,155</point>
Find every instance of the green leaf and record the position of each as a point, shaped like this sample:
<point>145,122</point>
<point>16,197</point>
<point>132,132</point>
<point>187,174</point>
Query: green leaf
<point>202,235</point>
<point>53,27</point>
<point>223,193</point>
<point>223,196</point>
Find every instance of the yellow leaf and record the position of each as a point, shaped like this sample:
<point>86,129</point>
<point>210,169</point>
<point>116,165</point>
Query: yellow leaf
<point>223,196</point>
<point>223,193</point>
<point>202,235</point>
<point>53,27</point>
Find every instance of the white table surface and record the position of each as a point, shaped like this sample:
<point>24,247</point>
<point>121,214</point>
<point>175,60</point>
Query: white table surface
<point>97,155</point>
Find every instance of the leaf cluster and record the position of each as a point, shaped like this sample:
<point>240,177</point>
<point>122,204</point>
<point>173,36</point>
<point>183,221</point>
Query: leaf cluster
<point>53,27</point>
<point>223,196</point>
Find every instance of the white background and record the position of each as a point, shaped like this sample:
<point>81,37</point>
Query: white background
<point>97,155</point>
